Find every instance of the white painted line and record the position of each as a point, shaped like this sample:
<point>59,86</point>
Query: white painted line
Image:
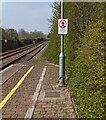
<point>30,110</point>
<point>6,69</point>
<point>54,65</point>
<point>19,64</point>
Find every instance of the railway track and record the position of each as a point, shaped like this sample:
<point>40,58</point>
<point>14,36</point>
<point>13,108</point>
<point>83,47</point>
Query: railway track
<point>15,51</point>
<point>11,51</point>
<point>16,55</point>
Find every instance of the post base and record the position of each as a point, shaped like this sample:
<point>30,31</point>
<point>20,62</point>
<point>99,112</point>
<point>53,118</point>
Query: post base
<point>62,82</point>
<point>62,85</point>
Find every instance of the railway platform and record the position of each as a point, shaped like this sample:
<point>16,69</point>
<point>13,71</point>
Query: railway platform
<point>30,90</point>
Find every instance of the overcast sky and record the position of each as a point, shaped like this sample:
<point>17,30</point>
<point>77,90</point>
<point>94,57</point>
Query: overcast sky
<point>27,15</point>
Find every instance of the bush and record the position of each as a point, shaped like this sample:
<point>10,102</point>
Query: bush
<point>87,80</point>
<point>84,51</point>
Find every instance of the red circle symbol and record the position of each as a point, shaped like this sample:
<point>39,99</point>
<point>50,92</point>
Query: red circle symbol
<point>62,23</point>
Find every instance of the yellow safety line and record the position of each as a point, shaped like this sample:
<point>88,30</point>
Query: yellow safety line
<point>15,88</point>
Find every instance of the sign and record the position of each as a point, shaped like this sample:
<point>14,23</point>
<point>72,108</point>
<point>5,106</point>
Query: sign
<point>62,26</point>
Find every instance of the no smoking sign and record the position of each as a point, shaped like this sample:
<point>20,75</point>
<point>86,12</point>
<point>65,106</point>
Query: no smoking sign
<point>62,26</point>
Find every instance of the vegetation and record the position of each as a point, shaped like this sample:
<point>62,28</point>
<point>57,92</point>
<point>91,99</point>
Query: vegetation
<point>53,50</point>
<point>11,39</point>
<point>22,34</point>
<point>84,51</point>
<point>12,34</point>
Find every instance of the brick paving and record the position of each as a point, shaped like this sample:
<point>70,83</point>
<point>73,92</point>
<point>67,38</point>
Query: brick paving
<point>57,104</point>
<point>53,101</point>
<point>20,101</point>
<point>12,81</point>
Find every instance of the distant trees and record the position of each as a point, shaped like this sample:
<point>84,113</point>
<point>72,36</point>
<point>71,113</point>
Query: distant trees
<point>8,34</point>
<point>12,34</point>
<point>11,39</point>
<point>2,34</point>
<point>37,34</point>
<point>22,34</point>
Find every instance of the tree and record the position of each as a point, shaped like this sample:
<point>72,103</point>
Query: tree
<point>23,34</point>
<point>2,33</point>
<point>11,34</point>
<point>33,35</point>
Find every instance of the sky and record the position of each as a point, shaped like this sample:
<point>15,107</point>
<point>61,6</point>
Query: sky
<point>27,15</point>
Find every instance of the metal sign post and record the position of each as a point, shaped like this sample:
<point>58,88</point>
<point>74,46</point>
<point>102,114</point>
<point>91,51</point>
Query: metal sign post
<point>62,57</point>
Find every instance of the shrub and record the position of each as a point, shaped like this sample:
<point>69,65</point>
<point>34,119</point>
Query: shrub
<point>87,80</point>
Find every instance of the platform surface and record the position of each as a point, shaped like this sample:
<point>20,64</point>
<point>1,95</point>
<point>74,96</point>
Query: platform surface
<point>39,95</point>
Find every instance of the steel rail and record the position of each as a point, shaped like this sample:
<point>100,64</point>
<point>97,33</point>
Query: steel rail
<point>16,51</point>
<point>3,66</point>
